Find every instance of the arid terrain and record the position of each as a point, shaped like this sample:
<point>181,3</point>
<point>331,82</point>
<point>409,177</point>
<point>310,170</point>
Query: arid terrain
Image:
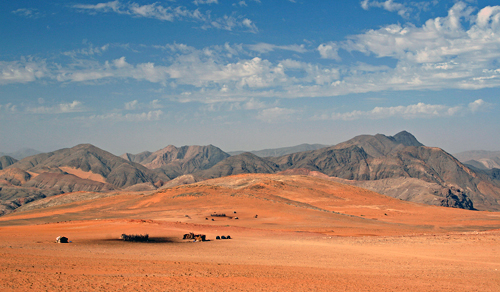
<point>310,234</point>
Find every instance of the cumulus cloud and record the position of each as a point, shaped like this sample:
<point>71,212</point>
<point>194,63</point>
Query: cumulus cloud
<point>75,106</point>
<point>170,13</point>
<point>457,51</point>
<point>413,111</point>
<point>329,51</point>
<point>22,71</point>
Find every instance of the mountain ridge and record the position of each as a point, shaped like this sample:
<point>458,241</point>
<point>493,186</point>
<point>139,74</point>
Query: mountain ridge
<point>398,166</point>
<point>276,152</point>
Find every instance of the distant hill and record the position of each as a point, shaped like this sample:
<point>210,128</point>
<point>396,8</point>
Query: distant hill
<point>6,161</point>
<point>88,158</point>
<point>383,163</point>
<point>276,152</point>
<point>480,159</point>
<point>174,162</point>
<point>238,164</point>
<point>398,166</point>
<point>21,153</point>
<point>81,168</point>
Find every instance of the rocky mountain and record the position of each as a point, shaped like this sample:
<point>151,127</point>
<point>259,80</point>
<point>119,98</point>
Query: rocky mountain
<point>276,152</point>
<point>88,158</point>
<point>21,153</point>
<point>174,162</point>
<point>6,161</point>
<point>238,164</point>
<point>480,159</point>
<point>66,183</point>
<point>389,165</point>
<point>81,168</point>
<point>137,158</point>
<point>398,166</point>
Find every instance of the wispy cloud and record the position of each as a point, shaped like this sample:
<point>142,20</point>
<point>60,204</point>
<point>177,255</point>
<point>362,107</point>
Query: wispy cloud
<point>404,9</point>
<point>9,107</point>
<point>200,2</point>
<point>276,114</point>
<point>129,117</point>
<point>413,111</point>
<point>443,53</point>
<point>170,13</point>
<point>28,12</point>
<point>91,50</point>
<point>266,48</point>
<point>135,105</point>
<point>75,106</point>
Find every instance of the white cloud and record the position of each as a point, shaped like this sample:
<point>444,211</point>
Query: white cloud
<point>413,111</point>
<point>170,13</point>
<point>199,2</point>
<point>156,104</point>
<point>9,107</point>
<point>90,51</point>
<point>457,51</point>
<point>275,114</point>
<point>266,48</point>
<point>253,104</point>
<point>22,71</point>
<point>28,12</point>
<point>75,106</point>
<point>119,117</point>
<point>389,5</point>
<point>329,51</point>
<point>131,105</point>
<point>479,105</point>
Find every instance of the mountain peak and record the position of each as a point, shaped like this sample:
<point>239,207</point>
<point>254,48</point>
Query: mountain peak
<point>406,139</point>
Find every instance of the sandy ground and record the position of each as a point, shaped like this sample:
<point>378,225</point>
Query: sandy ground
<point>253,260</point>
<point>310,235</point>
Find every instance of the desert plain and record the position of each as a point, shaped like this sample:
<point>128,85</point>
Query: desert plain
<point>288,233</point>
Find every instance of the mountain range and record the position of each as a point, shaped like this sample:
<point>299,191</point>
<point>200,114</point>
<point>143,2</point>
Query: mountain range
<point>276,152</point>
<point>398,166</point>
<point>480,159</point>
<point>21,153</point>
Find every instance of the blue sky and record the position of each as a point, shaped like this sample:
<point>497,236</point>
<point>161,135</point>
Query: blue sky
<point>129,76</point>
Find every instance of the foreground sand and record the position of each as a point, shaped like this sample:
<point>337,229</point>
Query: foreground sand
<point>310,235</point>
<point>254,260</point>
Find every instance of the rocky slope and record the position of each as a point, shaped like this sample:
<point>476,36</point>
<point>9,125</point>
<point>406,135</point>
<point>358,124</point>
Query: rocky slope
<point>375,161</point>
<point>6,161</point>
<point>88,158</point>
<point>243,163</point>
<point>174,162</point>
<point>81,168</point>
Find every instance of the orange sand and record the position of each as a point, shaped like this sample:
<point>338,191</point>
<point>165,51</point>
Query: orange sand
<point>310,235</point>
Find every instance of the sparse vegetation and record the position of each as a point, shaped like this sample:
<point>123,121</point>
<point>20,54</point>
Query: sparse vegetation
<point>135,237</point>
